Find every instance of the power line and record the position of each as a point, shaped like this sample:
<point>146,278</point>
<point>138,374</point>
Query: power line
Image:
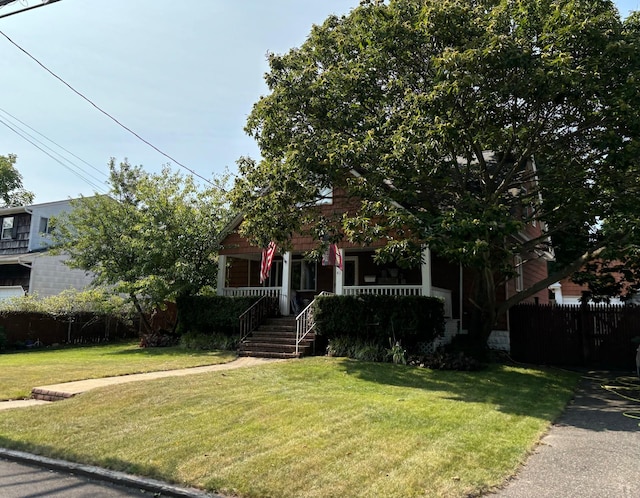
<point>7,2</point>
<point>102,110</point>
<point>25,136</point>
<point>55,143</point>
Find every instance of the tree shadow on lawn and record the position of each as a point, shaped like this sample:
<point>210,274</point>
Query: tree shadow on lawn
<point>170,351</point>
<point>539,393</point>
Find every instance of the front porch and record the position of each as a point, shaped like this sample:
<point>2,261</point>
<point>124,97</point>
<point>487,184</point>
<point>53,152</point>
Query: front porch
<point>296,281</point>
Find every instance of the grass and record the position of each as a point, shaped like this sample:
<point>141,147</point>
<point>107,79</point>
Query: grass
<point>24,370</point>
<point>318,427</point>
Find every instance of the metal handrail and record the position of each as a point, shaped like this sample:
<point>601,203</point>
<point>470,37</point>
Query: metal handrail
<point>305,322</point>
<point>251,319</point>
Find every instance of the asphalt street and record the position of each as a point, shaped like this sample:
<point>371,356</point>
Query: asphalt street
<point>18,480</point>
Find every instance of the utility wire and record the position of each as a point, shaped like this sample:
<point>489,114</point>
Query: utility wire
<point>103,111</point>
<point>97,187</point>
<point>83,172</point>
<point>3,3</point>
<point>56,144</point>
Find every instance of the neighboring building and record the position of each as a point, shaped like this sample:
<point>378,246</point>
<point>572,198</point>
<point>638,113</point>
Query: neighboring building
<point>24,260</point>
<point>296,281</point>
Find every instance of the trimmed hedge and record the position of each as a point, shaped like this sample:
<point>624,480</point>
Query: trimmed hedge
<point>212,314</point>
<point>409,319</point>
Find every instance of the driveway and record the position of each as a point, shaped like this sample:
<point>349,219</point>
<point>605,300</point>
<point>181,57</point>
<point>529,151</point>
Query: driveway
<point>592,451</point>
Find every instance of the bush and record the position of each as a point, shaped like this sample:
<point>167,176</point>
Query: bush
<point>357,349</point>
<point>3,339</point>
<point>443,360</point>
<point>207,342</point>
<point>409,319</point>
<point>159,339</point>
<point>203,314</point>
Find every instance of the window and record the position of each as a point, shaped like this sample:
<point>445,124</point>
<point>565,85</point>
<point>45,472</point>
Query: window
<point>303,275</point>
<point>44,225</point>
<point>519,274</point>
<point>7,228</point>
<point>325,197</point>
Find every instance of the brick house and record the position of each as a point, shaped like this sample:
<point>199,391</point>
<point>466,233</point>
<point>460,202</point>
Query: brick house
<point>296,281</point>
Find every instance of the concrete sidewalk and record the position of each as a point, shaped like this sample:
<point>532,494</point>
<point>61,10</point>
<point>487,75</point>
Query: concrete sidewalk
<point>592,451</point>
<point>55,392</point>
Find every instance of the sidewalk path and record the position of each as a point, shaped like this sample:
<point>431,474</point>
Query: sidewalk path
<point>56,392</point>
<point>592,451</point>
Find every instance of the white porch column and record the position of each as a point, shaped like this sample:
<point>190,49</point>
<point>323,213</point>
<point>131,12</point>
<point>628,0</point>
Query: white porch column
<point>339,276</point>
<point>285,302</point>
<point>426,272</point>
<point>557,292</point>
<point>222,274</point>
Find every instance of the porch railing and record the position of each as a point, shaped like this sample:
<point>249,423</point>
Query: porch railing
<point>251,291</point>
<point>305,322</point>
<point>384,290</point>
<point>251,319</point>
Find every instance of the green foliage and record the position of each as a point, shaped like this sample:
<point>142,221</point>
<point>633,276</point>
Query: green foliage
<point>99,301</point>
<point>153,238</point>
<point>396,352</point>
<point>444,360</point>
<point>356,348</point>
<point>11,191</point>
<point>409,319</point>
<point>208,342</point>
<point>211,314</point>
<point>3,338</point>
<point>412,94</point>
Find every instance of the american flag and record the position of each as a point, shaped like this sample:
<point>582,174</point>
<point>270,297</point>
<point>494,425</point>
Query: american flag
<point>267,259</point>
<point>332,257</point>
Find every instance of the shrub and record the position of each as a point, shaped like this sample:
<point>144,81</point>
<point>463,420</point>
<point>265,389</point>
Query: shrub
<point>358,349</point>
<point>203,314</point>
<point>410,319</point>
<point>443,360</point>
<point>200,341</point>
<point>3,339</point>
<point>160,339</point>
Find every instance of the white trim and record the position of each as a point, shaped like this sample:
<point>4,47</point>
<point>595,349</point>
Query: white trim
<point>222,274</point>
<point>425,269</point>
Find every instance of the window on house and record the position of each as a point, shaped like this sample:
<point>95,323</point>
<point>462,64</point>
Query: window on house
<point>7,228</point>
<point>44,225</point>
<point>519,274</point>
<point>326,196</point>
<point>303,275</point>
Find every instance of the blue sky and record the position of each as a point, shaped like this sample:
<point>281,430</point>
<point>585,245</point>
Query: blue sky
<point>183,75</point>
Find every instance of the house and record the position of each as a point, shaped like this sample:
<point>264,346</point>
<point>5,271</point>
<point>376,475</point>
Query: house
<point>25,264</point>
<point>296,281</point>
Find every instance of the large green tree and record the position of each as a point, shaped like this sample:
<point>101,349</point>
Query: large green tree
<point>399,103</point>
<point>12,193</point>
<point>154,237</point>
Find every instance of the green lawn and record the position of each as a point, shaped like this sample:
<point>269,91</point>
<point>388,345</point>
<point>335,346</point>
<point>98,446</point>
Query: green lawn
<point>21,371</point>
<point>318,427</point>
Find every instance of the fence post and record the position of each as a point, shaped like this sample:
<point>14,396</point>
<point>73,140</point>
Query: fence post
<point>583,327</point>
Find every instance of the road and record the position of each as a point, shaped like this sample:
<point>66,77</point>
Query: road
<point>18,480</point>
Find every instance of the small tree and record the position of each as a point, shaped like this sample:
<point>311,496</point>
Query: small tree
<point>12,193</point>
<point>154,238</point>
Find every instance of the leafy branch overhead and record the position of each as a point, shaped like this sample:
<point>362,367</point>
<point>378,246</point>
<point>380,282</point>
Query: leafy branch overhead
<point>434,113</point>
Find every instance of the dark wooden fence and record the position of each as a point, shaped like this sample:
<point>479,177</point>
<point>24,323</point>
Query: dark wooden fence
<point>25,329</point>
<point>587,336</point>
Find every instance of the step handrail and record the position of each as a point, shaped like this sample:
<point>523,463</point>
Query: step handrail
<point>251,319</point>
<point>305,322</point>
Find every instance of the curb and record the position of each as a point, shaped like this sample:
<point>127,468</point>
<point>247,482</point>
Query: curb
<point>97,473</point>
